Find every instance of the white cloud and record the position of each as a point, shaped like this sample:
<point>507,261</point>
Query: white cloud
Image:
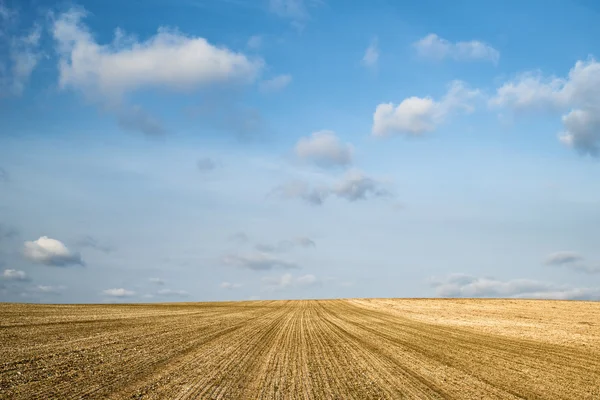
<point>276,84</point>
<point>418,115</point>
<point>258,261</point>
<point>357,186</point>
<point>51,252</point>
<point>353,186</point>
<point>23,54</point>
<point>434,47</point>
<point>325,149</point>
<point>287,281</point>
<point>172,292</point>
<point>169,60</point>
<point>371,57</point>
<point>577,96</point>
<point>14,275</point>
<point>118,292</point>
<point>462,285</point>
<point>230,285</point>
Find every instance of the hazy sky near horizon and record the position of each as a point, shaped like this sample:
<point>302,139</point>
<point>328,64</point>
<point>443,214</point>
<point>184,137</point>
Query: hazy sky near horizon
<point>199,150</point>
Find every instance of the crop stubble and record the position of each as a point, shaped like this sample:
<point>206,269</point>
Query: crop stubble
<point>314,349</point>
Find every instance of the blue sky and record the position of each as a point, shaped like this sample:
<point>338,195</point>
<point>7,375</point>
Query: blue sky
<point>232,149</point>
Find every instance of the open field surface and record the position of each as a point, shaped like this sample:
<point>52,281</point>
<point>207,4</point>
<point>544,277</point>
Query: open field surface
<point>330,349</point>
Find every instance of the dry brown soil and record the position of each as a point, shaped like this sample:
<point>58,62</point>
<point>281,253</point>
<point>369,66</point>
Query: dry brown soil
<point>329,349</point>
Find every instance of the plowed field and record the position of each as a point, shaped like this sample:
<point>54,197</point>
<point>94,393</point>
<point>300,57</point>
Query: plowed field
<point>330,349</point>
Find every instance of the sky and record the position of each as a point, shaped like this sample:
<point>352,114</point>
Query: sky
<point>211,150</point>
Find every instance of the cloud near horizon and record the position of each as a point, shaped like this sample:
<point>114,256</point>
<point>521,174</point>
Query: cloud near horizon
<point>463,285</point>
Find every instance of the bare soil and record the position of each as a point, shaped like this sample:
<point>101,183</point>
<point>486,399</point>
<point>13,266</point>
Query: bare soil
<point>318,349</point>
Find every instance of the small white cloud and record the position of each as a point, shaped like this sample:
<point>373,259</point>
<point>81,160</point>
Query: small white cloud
<point>157,281</point>
<point>371,57</point>
<point>14,275</point>
<point>230,285</point>
<point>325,149</point>
<point>418,115</point>
<point>434,47</point>
<point>353,186</point>
<point>118,292</point>
<point>51,252</point>
<point>276,84</point>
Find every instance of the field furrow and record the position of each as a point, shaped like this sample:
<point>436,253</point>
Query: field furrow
<point>312,349</point>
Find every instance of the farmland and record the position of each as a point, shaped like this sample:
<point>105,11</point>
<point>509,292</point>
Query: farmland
<point>320,349</point>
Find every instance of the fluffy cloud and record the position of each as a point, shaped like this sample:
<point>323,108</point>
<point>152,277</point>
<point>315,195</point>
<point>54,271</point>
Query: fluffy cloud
<point>118,292</point>
<point>572,261</point>
<point>462,285</point>
<point>324,149</point>
<point>353,186</point>
<point>276,84</point>
<point>577,96</point>
<point>258,261</point>
<point>287,281</point>
<point>23,54</point>
<point>371,57</point>
<point>169,60</point>
<point>418,115</point>
<point>52,252</point>
<point>230,285</point>
<point>14,275</point>
<point>434,47</point>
